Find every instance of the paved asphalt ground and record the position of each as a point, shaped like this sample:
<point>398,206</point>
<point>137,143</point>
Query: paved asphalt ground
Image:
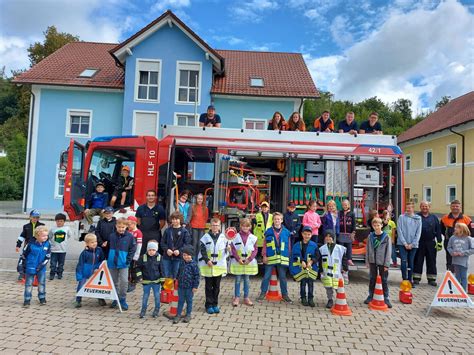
<point>266,328</point>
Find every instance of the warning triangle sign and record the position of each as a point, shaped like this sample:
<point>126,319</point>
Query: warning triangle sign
<point>451,294</point>
<point>100,279</point>
<point>99,285</point>
<point>450,288</point>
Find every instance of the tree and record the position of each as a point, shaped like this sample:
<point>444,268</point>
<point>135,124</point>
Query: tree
<point>403,106</point>
<point>14,111</point>
<point>444,100</point>
<point>53,40</point>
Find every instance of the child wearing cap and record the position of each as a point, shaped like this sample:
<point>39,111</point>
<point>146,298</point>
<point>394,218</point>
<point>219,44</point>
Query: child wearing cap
<point>276,253</point>
<point>124,187</point>
<point>378,256</point>
<point>149,267</point>
<point>292,222</point>
<point>243,263</point>
<point>27,236</point>
<point>89,261</point>
<point>304,266</point>
<point>331,262</point>
<point>188,283</point>
<point>137,234</point>
<point>105,227</point>
<point>96,203</point>
<point>262,221</point>
<point>58,237</point>
<point>213,263</point>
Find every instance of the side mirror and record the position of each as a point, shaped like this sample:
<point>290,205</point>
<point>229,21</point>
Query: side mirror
<point>61,174</point>
<point>63,160</point>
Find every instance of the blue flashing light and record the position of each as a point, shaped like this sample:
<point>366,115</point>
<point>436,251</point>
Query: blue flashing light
<point>109,138</point>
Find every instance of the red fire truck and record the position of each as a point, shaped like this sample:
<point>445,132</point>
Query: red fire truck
<point>236,169</point>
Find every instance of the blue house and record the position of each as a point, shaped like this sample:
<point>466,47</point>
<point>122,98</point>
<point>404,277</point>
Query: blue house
<point>165,74</point>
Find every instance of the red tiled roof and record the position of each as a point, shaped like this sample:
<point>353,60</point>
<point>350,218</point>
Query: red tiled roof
<point>284,75</point>
<point>64,66</point>
<point>454,113</point>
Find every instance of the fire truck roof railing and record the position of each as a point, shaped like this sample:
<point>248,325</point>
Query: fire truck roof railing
<point>282,136</point>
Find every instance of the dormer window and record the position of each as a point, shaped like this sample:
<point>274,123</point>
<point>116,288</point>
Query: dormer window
<point>256,82</point>
<point>88,73</point>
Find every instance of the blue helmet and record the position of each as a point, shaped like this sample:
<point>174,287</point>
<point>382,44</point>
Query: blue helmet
<point>35,213</point>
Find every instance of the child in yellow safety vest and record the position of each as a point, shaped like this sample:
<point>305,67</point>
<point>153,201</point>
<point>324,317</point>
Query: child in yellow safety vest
<point>213,263</point>
<point>243,263</point>
<point>331,261</point>
<point>262,221</point>
<point>276,253</point>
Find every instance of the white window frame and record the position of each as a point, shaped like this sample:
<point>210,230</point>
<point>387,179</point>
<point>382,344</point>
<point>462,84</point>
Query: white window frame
<point>57,196</point>
<point>425,198</point>
<point>265,123</point>
<point>134,122</point>
<point>176,114</point>
<point>425,155</point>
<point>407,158</point>
<point>137,79</point>
<point>448,202</point>
<point>68,122</point>
<point>448,148</point>
<point>176,96</point>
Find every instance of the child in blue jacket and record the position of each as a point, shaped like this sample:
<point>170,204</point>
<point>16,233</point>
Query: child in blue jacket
<point>188,283</point>
<point>122,248</point>
<point>304,266</point>
<point>34,259</point>
<point>89,261</point>
<point>175,238</point>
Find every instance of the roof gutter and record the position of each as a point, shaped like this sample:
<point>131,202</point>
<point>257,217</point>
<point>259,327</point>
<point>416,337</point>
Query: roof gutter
<point>462,162</point>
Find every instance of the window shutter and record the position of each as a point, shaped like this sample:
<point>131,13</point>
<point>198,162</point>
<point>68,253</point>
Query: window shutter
<point>146,124</point>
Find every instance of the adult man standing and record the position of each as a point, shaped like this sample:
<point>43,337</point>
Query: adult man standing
<point>447,226</point>
<point>210,118</point>
<point>151,219</point>
<point>349,125</point>
<point>430,243</point>
<point>372,126</point>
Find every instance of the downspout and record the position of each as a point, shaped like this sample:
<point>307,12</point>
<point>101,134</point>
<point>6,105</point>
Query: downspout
<point>301,105</point>
<point>28,153</point>
<point>463,165</point>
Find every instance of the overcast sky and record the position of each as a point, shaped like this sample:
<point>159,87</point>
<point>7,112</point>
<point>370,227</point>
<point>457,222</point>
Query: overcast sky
<point>420,50</point>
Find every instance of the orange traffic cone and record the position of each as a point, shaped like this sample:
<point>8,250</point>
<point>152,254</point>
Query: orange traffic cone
<point>273,293</point>
<point>173,311</point>
<point>378,302</point>
<point>341,308</point>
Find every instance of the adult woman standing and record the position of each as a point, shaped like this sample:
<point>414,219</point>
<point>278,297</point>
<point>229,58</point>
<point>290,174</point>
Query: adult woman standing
<point>277,123</point>
<point>198,214</point>
<point>296,123</point>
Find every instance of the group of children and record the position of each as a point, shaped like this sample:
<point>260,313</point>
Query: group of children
<point>98,202</point>
<point>314,254</point>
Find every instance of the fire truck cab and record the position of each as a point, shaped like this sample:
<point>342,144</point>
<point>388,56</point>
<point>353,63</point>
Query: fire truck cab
<point>237,169</point>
